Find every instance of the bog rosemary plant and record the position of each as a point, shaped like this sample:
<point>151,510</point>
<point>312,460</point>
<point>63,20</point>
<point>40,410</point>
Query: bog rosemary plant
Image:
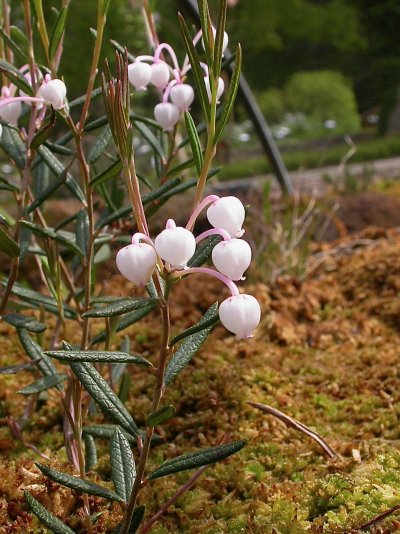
<point>34,100</point>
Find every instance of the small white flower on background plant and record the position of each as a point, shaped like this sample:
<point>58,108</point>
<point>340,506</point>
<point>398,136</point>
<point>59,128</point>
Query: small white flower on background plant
<point>139,74</point>
<point>167,115</point>
<point>175,244</point>
<point>160,74</point>
<point>137,262</point>
<point>53,92</point>
<point>227,213</point>
<point>232,258</point>
<point>240,314</point>
<point>220,91</point>
<point>182,95</point>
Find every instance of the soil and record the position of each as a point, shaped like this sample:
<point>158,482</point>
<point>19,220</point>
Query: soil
<point>326,354</point>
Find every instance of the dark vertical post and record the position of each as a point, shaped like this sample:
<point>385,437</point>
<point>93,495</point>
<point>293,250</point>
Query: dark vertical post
<point>260,124</point>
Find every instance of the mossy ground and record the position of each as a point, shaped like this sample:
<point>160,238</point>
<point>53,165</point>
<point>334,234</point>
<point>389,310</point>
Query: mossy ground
<point>326,353</point>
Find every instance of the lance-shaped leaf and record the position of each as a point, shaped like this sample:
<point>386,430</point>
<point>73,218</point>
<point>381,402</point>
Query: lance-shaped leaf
<point>194,460</point>
<point>22,321</point>
<point>35,353</point>
<point>36,300</point>
<point>123,471</point>
<point>15,368</point>
<point>194,141</point>
<point>111,171</point>
<point>82,231</point>
<point>127,320</point>
<point>219,39</point>
<point>78,484</point>
<point>13,145</point>
<point>151,139</point>
<point>17,41</point>
<point>64,238</point>
<point>198,327</point>
<point>120,307</point>
<point>15,76</point>
<point>58,31</point>
<point>96,356</point>
<point>189,347</point>
<point>104,396</point>
<point>160,416</point>
<point>90,452</point>
<point>42,384</point>
<point>53,185</point>
<point>44,132</point>
<point>230,99</point>
<point>8,245</point>
<point>81,99</point>
<point>106,432</point>
<point>100,144</point>
<point>57,168</point>
<point>204,251</point>
<point>137,517</point>
<point>52,522</point>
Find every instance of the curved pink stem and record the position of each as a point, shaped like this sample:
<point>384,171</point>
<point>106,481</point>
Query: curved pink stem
<point>9,100</point>
<point>208,200</point>
<point>170,50</point>
<point>204,270</point>
<point>214,231</point>
<point>138,237</point>
<point>168,90</point>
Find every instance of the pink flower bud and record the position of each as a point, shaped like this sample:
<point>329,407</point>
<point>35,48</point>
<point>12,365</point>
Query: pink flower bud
<point>227,213</point>
<point>160,74</point>
<point>232,258</point>
<point>53,92</point>
<point>220,91</point>
<point>167,115</point>
<point>139,74</point>
<point>10,112</point>
<point>240,314</point>
<point>182,96</point>
<point>137,262</point>
<point>175,244</point>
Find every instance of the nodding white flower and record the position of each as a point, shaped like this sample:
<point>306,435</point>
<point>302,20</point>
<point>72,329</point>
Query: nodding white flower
<point>220,90</point>
<point>10,112</point>
<point>232,258</point>
<point>240,314</point>
<point>182,95</point>
<point>175,244</point>
<point>139,74</point>
<point>227,213</point>
<point>160,74</point>
<point>53,92</point>
<point>167,115</point>
<point>224,42</point>
<point>137,262</point>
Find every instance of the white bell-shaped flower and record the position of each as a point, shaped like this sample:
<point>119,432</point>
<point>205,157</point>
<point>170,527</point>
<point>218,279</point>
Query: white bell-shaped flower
<point>232,258</point>
<point>53,92</point>
<point>137,262</point>
<point>240,314</point>
<point>167,115</point>
<point>227,213</point>
<point>220,91</point>
<point>182,95</point>
<point>224,42</point>
<point>139,74</point>
<point>160,74</point>
<point>10,112</point>
<point>175,244</point>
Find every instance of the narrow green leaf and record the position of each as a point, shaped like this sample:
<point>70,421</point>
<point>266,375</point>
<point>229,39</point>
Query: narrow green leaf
<point>37,300</point>
<point>6,186</point>
<point>52,522</point>
<point>219,39</point>
<point>151,139</point>
<point>53,185</point>
<point>106,432</point>
<point>121,49</point>
<point>194,141</point>
<point>100,144</point>
<point>230,99</point>
<point>57,168</point>
<point>198,327</point>
<point>123,471</point>
<point>171,193</point>
<point>189,347</point>
<point>13,369</point>
<point>206,29</point>
<point>194,460</point>
<point>160,416</point>
<point>90,452</point>
<point>104,396</point>
<point>96,356</point>
<point>137,517</point>
<point>58,31</point>
<point>24,241</point>
<point>8,245</point>
<point>13,145</point>
<point>127,320</point>
<point>64,238</point>
<point>196,68</point>
<point>181,167</point>
<point>78,484</point>
<point>42,384</point>
<point>204,251</point>
<point>121,306</point>
<point>45,131</point>
<point>124,387</point>
<point>20,39</point>
<point>15,76</point>
<point>82,231</point>
<point>36,354</point>
<point>80,100</point>
<point>110,172</point>
<point>21,321</point>
<point>59,149</point>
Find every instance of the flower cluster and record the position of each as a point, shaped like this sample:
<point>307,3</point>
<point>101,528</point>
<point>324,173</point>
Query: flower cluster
<point>172,249</point>
<point>177,94</point>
